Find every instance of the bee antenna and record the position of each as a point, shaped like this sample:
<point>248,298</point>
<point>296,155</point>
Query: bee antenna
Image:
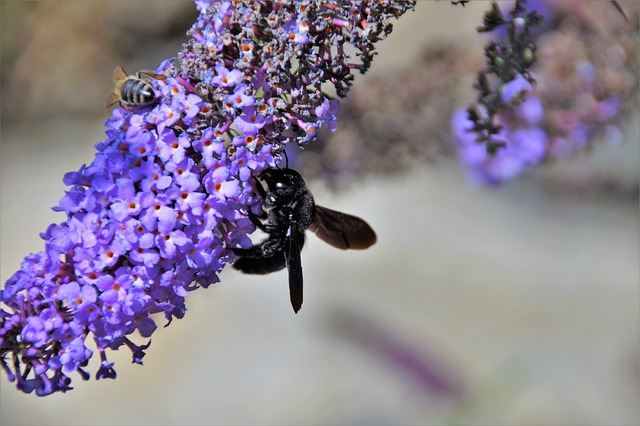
<point>286,157</point>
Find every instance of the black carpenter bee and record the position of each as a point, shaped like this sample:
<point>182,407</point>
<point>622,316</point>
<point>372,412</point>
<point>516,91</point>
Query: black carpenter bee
<point>134,90</point>
<point>288,210</point>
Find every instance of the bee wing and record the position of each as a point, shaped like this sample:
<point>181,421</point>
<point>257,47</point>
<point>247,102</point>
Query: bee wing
<point>112,98</point>
<point>342,230</point>
<point>294,266</point>
<point>119,75</point>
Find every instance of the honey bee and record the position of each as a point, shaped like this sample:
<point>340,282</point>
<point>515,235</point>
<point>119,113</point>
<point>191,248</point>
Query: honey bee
<point>133,90</point>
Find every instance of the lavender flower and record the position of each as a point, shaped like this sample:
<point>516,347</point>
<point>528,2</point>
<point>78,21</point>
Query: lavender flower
<point>152,217</point>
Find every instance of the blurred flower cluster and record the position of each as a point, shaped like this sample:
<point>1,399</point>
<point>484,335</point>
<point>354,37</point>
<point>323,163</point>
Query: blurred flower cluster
<point>152,217</point>
<point>416,115</point>
<point>402,122</point>
<point>507,77</point>
<point>587,83</point>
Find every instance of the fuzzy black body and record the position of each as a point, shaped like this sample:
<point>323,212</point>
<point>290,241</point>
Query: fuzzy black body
<point>288,210</point>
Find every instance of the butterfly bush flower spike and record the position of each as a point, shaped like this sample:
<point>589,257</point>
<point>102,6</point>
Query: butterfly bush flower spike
<point>152,217</point>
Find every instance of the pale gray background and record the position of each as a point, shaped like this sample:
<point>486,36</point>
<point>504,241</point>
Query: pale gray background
<point>527,297</point>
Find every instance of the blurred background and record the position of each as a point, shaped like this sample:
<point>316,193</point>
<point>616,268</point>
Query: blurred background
<point>513,305</point>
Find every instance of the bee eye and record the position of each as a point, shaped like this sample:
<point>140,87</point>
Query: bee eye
<point>280,185</point>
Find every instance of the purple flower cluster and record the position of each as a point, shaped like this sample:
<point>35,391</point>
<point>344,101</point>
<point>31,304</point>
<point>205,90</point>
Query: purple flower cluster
<point>577,100</point>
<point>154,215</point>
<point>523,147</point>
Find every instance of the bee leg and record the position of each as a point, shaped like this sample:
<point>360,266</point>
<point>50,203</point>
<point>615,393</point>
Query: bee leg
<point>262,215</point>
<point>255,219</point>
<point>266,248</point>
<point>260,189</point>
<point>149,75</point>
<point>260,259</point>
<point>261,265</point>
<point>125,106</point>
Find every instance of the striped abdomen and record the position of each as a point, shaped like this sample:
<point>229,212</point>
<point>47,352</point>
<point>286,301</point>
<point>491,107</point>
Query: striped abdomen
<point>135,91</point>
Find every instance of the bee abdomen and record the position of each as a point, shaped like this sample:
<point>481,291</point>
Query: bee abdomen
<point>135,91</point>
